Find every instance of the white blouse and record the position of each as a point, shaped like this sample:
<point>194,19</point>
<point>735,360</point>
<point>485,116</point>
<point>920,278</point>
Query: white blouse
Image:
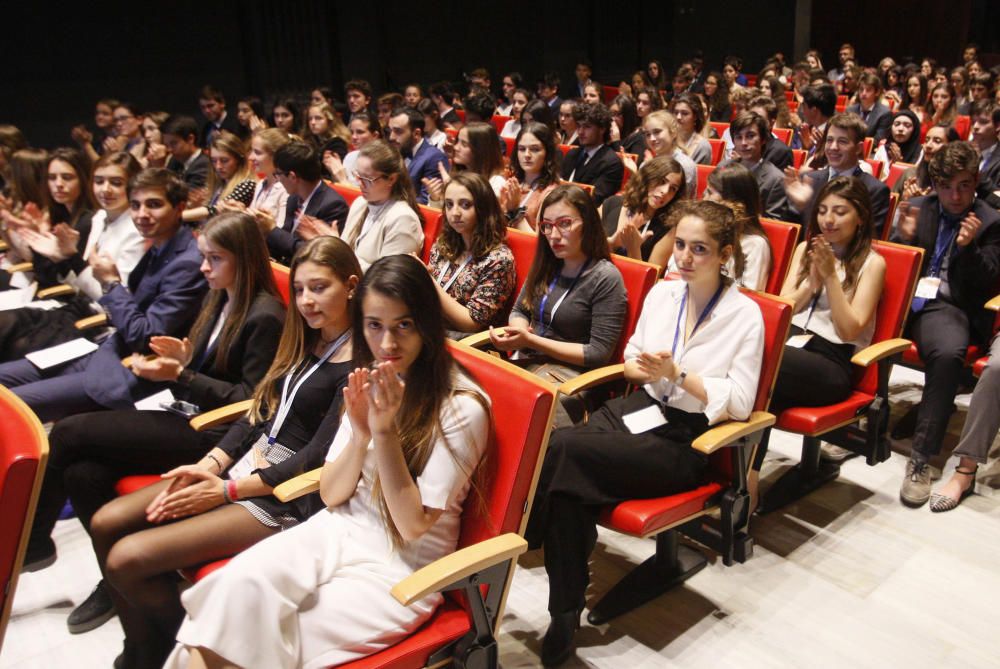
<point>118,239</point>
<point>726,352</point>
<point>273,200</point>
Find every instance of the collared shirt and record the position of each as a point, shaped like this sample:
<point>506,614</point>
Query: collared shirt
<point>589,153</point>
<point>413,152</point>
<point>985,156</point>
<point>726,352</point>
<point>191,159</point>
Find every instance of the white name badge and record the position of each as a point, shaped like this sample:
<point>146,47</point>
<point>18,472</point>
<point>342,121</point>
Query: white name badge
<point>799,340</point>
<point>644,420</point>
<point>927,287</point>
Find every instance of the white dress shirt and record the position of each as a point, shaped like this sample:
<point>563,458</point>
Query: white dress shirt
<point>118,239</point>
<point>726,352</point>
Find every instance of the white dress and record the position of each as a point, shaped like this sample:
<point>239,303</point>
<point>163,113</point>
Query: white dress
<point>318,594</point>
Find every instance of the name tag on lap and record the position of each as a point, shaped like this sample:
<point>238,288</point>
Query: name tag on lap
<point>928,287</point>
<point>644,420</point>
<point>799,340</point>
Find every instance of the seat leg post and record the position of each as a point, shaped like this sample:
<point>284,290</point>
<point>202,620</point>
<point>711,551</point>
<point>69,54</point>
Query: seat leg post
<point>809,475</point>
<point>671,565</point>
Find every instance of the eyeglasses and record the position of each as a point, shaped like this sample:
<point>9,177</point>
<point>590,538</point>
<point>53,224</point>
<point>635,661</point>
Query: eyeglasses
<point>563,224</point>
<point>368,181</point>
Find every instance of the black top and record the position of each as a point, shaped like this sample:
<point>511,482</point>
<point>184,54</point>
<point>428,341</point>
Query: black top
<point>47,272</point>
<point>612,212</point>
<point>308,430</point>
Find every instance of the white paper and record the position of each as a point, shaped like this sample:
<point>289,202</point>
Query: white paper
<point>244,466</point>
<point>15,298</point>
<point>152,403</point>
<point>644,420</point>
<point>799,340</point>
<point>927,287</point>
<point>44,305</point>
<point>56,355</point>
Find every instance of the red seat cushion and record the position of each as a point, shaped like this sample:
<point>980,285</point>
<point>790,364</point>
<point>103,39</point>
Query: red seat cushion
<point>641,517</point>
<point>448,623</point>
<point>130,484</point>
<point>912,357</point>
<point>979,365</point>
<point>817,420</point>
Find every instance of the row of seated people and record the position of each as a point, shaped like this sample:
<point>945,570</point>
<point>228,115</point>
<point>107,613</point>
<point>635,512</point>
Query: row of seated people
<point>580,215</point>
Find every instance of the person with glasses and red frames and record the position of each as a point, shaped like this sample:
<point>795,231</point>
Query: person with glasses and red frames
<point>571,309</point>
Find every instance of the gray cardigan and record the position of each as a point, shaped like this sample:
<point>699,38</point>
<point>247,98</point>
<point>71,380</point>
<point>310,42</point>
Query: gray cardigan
<point>593,314</point>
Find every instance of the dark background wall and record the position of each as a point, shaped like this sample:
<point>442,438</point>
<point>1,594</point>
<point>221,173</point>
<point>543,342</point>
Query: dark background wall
<point>61,58</point>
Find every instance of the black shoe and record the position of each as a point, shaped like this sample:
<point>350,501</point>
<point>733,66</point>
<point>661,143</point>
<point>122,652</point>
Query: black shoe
<point>39,555</point>
<point>95,610</point>
<point>907,425</point>
<point>557,645</point>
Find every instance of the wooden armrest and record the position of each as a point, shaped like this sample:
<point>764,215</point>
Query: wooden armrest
<point>3,246</point>
<point>91,322</point>
<point>478,340</point>
<point>441,573</point>
<point>54,291</point>
<point>994,304</point>
<point>725,434</point>
<point>303,484</point>
<point>20,267</point>
<point>220,416</point>
<point>594,377</point>
<point>876,352</point>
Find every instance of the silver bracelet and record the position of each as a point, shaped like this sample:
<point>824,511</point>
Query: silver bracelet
<point>216,461</point>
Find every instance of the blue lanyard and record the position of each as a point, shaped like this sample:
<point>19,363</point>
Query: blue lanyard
<point>682,315</point>
<point>555,308</point>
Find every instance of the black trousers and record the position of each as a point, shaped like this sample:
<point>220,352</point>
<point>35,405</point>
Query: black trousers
<point>815,375</point>
<point>600,463</point>
<point>942,332</point>
<point>89,452</point>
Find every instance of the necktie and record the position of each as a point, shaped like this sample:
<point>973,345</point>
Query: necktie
<point>942,245</point>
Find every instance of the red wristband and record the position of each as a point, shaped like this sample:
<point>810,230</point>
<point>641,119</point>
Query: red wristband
<point>231,489</point>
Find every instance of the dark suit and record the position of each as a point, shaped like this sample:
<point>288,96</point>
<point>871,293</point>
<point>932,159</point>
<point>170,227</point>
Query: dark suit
<point>196,174</point>
<point>878,121</point>
<point>603,171</point>
<point>771,182</point>
<point>164,294</point>
<point>777,153</point>
<point>989,174</point>
<point>877,191</point>
<point>229,123</point>
<point>424,163</point>
<point>325,204</point>
<point>944,327</point>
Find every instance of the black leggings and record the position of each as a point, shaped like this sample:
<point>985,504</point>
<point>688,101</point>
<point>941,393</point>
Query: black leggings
<point>815,375</point>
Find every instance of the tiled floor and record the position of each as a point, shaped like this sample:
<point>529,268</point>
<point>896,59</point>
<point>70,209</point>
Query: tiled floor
<point>846,577</point>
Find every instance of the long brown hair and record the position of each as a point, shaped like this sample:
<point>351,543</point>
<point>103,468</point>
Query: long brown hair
<point>297,338</point>
<point>85,202</point>
<point>593,242</point>
<point>237,233</point>
<point>430,376</point>
<point>491,230</point>
<point>651,174</point>
<point>854,191</point>
<point>230,144</point>
<point>484,143</point>
<point>28,180</point>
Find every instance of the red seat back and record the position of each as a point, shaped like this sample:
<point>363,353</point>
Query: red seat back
<point>703,172</point>
<point>639,278</point>
<point>282,281</point>
<point>962,124</point>
<point>784,134</point>
<point>720,127</point>
<point>500,121</point>
<point>565,148</point>
<point>609,93</point>
<point>433,220</point>
<point>876,166</point>
<point>461,114</point>
<point>718,149</point>
<point>523,245</point>
<point>866,150</point>
<point>348,192</point>
<point>895,171</point>
<point>783,237</point>
<point>509,147</point>
<point>798,158</point>
<point>902,269</point>
<point>887,226</point>
<point>24,450</point>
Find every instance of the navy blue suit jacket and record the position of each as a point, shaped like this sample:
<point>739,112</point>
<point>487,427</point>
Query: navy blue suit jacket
<point>425,164</point>
<point>877,191</point>
<point>326,204</point>
<point>165,292</point>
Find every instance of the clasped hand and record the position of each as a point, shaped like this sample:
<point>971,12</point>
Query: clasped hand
<point>657,366</point>
<point>372,399</point>
<point>511,337</point>
<point>192,490</point>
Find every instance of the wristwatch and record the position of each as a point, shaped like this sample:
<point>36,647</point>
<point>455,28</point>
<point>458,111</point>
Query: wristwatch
<point>679,381</point>
<point>107,287</point>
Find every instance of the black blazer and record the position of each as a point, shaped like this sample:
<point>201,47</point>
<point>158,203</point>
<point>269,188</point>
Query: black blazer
<point>989,175</point>
<point>974,269</point>
<point>603,171</point>
<point>879,120</point>
<point>777,153</point>
<point>196,175</point>
<point>230,124</point>
<point>250,356</point>
<point>49,273</point>
<point>877,191</point>
<point>326,204</point>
